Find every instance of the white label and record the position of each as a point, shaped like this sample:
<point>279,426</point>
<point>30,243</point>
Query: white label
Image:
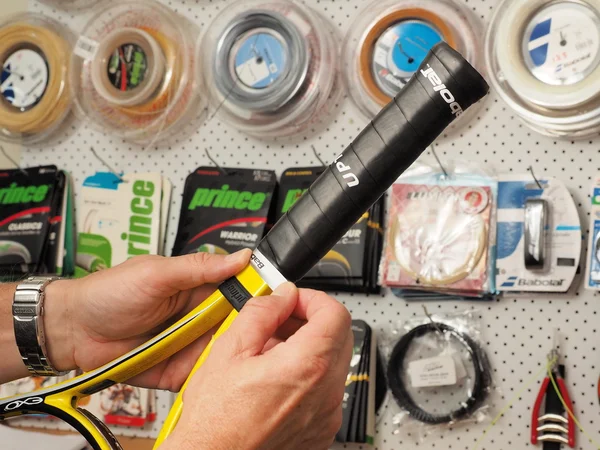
<point>393,272</point>
<point>266,270</point>
<point>24,78</point>
<point>389,40</point>
<point>86,47</point>
<point>431,372</point>
<point>562,43</point>
<point>253,71</point>
<point>380,56</point>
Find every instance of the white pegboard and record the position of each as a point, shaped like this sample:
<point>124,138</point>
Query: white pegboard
<point>517,331</point>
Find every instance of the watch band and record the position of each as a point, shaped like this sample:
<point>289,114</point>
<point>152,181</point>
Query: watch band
<point>28,320</point>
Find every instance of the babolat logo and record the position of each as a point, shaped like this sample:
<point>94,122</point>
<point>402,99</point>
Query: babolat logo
<point>257,262</point>
<point>512,281</point>
<point>444,92</point>
<point>227,199</point>
<point>19,194</point>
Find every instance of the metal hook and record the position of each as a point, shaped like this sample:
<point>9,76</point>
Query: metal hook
<point>110,169</point>
<point>534,177</point>
<point>438,160</point>
<point>215,162</point>
<point>23,171</point>
<point>317,156</point>
<point>433,322</point>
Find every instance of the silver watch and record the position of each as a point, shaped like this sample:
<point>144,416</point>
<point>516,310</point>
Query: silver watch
<point>28,319</point>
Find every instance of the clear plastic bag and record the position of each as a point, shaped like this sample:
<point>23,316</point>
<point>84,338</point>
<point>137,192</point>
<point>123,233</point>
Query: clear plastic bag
<point>438,373</point>
<point>441,230</point>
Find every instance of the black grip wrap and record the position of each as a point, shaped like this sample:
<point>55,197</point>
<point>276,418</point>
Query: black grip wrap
<point>444,86</point>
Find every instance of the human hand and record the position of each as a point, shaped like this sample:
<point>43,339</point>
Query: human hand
<point>274,381</point>
<point>93,320</point>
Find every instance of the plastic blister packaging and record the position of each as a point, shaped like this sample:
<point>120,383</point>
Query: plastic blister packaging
<point>271,67</point>
<point>35,99</point>
<point>438,373</point>
<point>441,232</point>
<point>543,58</point>
<point>389,39</point>
<point>134,71</point>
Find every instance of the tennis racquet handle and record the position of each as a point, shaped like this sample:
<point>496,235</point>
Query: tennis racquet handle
<point>441,90</point>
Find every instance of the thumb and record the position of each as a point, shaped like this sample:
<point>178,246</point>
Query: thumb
<point>257,322</point>
<point>180,273</point>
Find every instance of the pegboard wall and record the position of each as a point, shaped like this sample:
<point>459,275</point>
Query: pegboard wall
<point>517,331</point>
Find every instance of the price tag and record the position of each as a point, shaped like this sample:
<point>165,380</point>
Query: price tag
<point>431,372</point>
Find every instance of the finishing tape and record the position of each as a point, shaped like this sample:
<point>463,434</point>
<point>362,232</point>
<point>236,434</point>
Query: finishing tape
<point>389,40</point>
<point>273,68</point>
<point>135,71</point>
<point>35,98</point>
<point>544,60</point>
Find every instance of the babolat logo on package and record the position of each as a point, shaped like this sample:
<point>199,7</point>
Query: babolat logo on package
<point>224,210</point>
<point>26,210</point>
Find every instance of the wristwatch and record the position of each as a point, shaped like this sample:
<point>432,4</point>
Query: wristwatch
<point>28,320</point>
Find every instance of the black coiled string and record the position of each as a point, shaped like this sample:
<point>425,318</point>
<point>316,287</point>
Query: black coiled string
<point>395,371</point>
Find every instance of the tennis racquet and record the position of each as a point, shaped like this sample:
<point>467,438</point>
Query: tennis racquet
<point>440,91</point>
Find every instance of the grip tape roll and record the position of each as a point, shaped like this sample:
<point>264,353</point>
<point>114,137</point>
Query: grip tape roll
<point>444,86</point>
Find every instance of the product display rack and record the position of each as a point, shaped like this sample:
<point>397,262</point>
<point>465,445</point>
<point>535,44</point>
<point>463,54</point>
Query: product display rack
<point>517,331</point>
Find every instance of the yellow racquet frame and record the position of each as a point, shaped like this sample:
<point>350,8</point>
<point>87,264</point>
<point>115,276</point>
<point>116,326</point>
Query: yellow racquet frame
<point>61,400</point>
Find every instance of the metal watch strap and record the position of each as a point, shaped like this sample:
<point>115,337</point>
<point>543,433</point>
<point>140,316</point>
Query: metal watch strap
<point>28,320</point>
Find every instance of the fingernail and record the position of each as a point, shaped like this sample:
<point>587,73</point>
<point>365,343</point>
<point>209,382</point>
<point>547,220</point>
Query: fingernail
<point>238,256</point>
<point>285,289</point>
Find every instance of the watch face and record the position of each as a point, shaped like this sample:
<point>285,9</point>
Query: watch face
<point>24,78</point>
<point>561,44</point>
<point>399,51</point>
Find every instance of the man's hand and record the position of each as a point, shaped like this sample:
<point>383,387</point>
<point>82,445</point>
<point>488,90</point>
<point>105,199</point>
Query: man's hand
<point>93,320</point>
<point>275,380</point>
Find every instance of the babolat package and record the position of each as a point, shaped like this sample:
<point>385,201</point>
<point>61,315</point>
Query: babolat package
<point>35,222</point>
<point>539,235</point>
<point>352,264</point>
<point>224,210</point>
<point>441,233</point>
<point>592,275</point>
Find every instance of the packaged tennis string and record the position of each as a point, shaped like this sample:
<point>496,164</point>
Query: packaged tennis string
<point>224,210</point>
<point>441,233</point>
<point>358,406</point>
<point>120,217</point>
<point>352,264</point>
<point>34,221</point>
<point>592,276</point>
<point>438,374</point>
<point>539,235</point>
